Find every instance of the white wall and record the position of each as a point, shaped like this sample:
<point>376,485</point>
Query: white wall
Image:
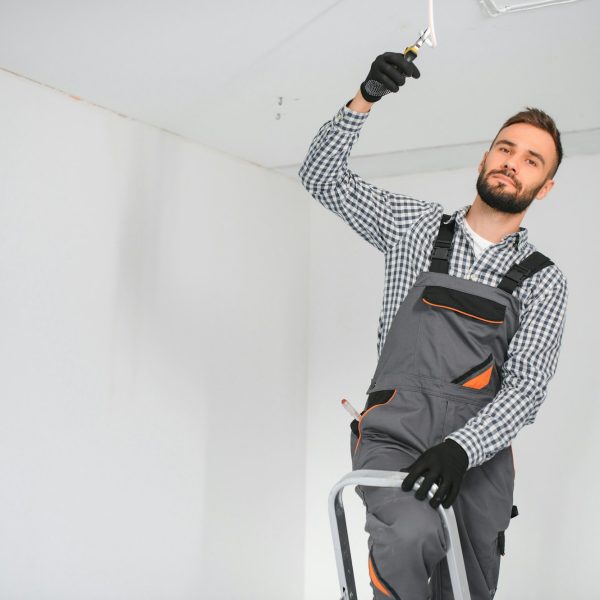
<point>552,546</point>
<point>153,361</point>
<point>153,343</point>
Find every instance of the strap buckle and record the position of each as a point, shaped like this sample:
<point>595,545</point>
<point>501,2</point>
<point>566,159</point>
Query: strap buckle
<point>518,273</point>
<point>441,249</point>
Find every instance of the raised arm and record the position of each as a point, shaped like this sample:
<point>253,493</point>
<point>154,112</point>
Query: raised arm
<point>377,215</point>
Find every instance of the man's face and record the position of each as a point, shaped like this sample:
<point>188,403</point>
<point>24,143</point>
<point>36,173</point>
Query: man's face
<point>516,168</point>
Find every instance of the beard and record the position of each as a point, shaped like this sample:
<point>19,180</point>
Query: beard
<point>498,197</point>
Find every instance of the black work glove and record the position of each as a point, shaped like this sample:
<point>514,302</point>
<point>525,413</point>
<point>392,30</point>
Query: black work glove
<point>444,464</point>
<point>388,72</point>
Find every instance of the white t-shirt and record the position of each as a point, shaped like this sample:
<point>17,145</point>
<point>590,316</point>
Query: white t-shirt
<point>479,243</point>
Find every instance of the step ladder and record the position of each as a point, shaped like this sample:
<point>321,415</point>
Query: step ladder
<point>337,518</point>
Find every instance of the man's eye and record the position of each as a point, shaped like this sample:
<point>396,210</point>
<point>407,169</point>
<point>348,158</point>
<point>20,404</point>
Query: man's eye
<point>503,149</point>
<point>532,162</point>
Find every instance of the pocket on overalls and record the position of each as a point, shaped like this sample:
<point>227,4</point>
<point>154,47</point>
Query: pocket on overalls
<point>479,376</point>
<point>492,568</point>
<point>498,550</point>
<point>457,331</point>
<point>468,305</point>
<point>380,397</point>
<point>374,400</point>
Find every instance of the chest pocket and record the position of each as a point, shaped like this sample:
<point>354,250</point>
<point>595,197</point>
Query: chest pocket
<point>462,303</point>
<point>478,376</point>
<point>459,334</point>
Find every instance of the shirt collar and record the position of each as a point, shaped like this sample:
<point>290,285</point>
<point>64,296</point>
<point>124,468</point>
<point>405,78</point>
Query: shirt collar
<point>518,238</point>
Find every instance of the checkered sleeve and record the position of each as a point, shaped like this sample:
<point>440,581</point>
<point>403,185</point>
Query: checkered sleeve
<point>531,363</point>
<point>378,216</point>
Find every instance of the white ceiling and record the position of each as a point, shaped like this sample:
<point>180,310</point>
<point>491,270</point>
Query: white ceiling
<point>214,72</point>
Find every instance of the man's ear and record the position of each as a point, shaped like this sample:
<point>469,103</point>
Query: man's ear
<point>545,189</point>
<point>480,168</point>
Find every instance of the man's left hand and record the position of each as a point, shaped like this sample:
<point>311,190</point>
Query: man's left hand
<point>444,464</point>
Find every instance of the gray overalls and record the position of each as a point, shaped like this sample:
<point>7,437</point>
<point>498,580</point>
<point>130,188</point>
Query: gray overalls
<point>440,365</point>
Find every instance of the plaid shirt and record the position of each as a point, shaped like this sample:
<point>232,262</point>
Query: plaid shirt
<point>400,227</point>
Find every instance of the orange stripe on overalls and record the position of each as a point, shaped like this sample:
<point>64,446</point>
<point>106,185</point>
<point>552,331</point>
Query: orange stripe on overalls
<point>376,581</point>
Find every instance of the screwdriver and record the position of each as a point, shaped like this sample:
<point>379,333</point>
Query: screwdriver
<point>411,52</point>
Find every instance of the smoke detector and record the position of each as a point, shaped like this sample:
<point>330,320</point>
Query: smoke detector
<point>496,7</point>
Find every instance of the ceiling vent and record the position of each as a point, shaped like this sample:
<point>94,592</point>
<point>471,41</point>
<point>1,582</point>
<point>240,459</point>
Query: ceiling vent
<point>498,7</point>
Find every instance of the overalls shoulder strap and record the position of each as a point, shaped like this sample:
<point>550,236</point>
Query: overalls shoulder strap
<point>520,271</point>
<point>440,257</point>
<point>442,247</point>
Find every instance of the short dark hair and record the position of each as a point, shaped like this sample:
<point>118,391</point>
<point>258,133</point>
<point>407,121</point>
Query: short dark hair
<point>538,118</point>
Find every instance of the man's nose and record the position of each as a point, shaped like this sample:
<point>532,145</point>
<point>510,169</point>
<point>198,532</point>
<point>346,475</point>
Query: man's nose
<point>509,165</point>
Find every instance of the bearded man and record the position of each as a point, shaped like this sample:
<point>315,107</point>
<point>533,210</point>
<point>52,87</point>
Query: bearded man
<point>469,337</point>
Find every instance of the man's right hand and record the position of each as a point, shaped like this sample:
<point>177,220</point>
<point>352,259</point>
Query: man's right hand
<point>388,72</point>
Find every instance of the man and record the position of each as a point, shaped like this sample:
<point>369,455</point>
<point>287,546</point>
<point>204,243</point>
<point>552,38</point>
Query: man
<point>469,337</point>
